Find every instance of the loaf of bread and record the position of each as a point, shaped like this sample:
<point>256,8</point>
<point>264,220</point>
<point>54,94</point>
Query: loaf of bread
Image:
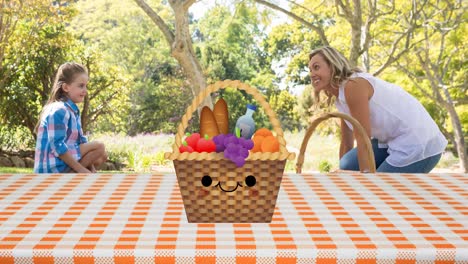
<point>221,115</point>
<point>208,125</point>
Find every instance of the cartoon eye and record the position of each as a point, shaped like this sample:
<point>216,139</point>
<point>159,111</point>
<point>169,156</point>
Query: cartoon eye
<point>250,180</point>
<point>206,180</point>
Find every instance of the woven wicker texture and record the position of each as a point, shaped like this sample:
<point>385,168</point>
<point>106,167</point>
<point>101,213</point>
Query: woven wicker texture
<point>228,198</point>
<point>356,125</point>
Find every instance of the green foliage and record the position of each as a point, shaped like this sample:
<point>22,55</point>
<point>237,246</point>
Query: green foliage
<point>284,104</point>
<point>463,114</point>
<point>36,46</point>
<point>305,105</point>
<point>227,47</point>
<point>105,108</point>
<point>324,166</point>
<point>160,106</point>
<point>139,152</point>
<point>15,170</point>
<point>15,138</point>
<point>156,92</point>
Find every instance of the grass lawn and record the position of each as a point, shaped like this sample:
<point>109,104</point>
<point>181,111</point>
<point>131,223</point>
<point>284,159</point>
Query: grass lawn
<point>15,170</point>
<point>145,153</point>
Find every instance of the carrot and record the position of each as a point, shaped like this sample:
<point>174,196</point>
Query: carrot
<point>208,124</point>
<point>220,112</point>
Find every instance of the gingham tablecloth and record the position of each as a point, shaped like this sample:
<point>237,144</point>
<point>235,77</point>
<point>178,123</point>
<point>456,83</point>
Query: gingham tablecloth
<point>103,218</point>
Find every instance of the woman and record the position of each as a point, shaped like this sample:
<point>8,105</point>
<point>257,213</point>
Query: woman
<point>405,138</point>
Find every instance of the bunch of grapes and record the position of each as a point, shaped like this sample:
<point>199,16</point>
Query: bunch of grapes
<point>235,148</point>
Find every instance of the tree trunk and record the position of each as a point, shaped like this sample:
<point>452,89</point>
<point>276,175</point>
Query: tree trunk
<point>182,51</point>
<point>180,42</point>
<point>457,131</point>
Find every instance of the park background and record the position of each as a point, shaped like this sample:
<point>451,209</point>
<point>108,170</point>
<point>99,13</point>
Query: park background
<point>147,60</point>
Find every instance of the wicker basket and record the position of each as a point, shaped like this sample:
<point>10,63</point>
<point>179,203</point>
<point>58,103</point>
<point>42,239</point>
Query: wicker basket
<point>228,198</point>
<point>356,125</point>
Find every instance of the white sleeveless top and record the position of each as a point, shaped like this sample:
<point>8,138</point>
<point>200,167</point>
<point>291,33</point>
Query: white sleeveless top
<point>399,121</point>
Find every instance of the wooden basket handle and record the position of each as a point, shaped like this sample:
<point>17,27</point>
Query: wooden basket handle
<point>325,116</point>
<point>233,84</point>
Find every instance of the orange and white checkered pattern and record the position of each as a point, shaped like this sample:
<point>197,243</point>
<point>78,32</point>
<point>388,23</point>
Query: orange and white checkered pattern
<point>334,218</point>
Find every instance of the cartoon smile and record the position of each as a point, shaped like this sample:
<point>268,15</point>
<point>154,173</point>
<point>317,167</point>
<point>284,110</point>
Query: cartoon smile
<point>250,181</point>
<point>222,189</point>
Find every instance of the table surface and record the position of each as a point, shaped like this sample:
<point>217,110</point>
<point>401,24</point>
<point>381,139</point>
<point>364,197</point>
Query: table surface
<point>126,218</point>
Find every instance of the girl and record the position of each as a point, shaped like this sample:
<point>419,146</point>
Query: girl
<point>60,145</point>
<point>404,137</point>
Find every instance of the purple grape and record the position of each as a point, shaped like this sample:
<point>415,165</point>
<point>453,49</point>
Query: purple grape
<point>232,139</point>
<point>239,161</point>
<point>243,152</point>
<point>219,148</point>
<point>246,143</point>
<point>219,142</point>
<point>232,148</point>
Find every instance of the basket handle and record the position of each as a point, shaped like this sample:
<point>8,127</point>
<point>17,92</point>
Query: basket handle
<point>325,116</point>
<point>234,84</point>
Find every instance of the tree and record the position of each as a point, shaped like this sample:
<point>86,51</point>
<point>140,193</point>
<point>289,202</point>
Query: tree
<point>104,107</point>
<point>440,73</point>
<point>366,22</point>
<point>126,38</point>
<point>33,43</point>
<point>228,47</point>
<point>178,36</point>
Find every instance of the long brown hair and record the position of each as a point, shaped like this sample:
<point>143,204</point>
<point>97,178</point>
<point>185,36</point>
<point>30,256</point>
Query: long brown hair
<point>66,73</point>
<point>341,69</point>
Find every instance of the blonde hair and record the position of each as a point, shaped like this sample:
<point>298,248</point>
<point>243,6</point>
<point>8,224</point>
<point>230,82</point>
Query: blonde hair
<point>66,74</point>
<point>341,69</point>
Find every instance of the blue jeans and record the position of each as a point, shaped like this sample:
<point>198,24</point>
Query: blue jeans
<point>349,161</point>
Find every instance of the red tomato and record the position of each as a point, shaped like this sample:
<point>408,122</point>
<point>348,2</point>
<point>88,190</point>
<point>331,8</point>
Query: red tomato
<point>205,145</point>
<point>192,140</point>
<point>185,148</point>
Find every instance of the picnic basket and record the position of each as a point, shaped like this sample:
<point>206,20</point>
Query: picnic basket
<point>322,117</point>
<point>228,199</point>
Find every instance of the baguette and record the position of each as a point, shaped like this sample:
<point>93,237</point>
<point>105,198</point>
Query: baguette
<point>221,115</point>
<point>208,124</point>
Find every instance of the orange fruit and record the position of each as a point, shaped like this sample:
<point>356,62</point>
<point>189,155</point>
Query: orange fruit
<point>263,132</point>
<point>270,144</point>
<point>257,140</point>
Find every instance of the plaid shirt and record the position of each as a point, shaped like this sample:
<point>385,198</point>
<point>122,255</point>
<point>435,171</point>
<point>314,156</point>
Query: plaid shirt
<point>59,131</point>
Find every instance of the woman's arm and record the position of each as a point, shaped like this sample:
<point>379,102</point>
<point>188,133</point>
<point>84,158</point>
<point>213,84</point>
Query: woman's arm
<point>357,93</point>
<point>347,139</point>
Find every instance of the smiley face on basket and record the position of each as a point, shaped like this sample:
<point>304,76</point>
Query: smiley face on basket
<point>249,182</point>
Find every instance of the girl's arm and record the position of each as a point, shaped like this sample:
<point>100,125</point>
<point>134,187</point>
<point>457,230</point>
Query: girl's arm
<point>357,93</point>
<point>57,122</point>
<point>347,139</point>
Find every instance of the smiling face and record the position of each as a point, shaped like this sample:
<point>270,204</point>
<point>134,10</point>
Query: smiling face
<point>77,89</point>
<point>207,181</point>
<point>320,73</point>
